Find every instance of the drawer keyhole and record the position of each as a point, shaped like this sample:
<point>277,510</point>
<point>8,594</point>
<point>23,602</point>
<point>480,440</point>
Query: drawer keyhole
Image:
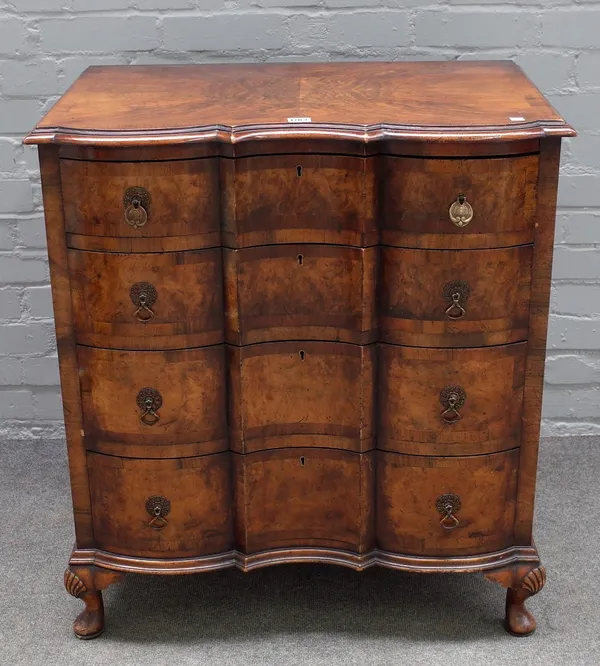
<point>298,171</point>
<point>302,461</point>
<point>302,354</point>
<point>300,258</point>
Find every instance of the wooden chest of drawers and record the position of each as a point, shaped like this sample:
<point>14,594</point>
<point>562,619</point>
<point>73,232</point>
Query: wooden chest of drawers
<point>301,315</point>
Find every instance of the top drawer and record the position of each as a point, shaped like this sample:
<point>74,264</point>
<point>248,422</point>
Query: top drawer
<point>299,199</point>
<point>458,203</point>
<point>141,206</point>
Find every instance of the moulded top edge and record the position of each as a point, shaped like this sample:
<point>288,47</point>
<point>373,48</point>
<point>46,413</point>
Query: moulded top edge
<point>302,132</point>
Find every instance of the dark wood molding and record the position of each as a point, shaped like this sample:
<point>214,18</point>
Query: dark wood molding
<point>367,134</point>
<point>509,557</point>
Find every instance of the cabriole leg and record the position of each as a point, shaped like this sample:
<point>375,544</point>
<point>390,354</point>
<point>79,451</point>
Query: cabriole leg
<point>521,583</point>
<point>519,621</point>
<point>87,583</point>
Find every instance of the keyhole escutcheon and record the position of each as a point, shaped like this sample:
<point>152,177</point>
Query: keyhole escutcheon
<point>300,258</point>
<point>298,171</point>
<point>302,354</point>
<point>302,461</point>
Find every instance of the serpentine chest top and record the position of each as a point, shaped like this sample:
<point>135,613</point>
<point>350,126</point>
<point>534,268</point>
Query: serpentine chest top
<point>301,315</point>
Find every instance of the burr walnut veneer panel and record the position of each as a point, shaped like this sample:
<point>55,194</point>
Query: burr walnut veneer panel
<point>197,518</point>
<point>302,394</point>
<point>449,298</point>
<point>147,301</point>
<point>304,292</point>
<point>304,497</point>
<point>289,198</point>
<point>417,415</point>
<point>301,315</point>
<point>187,390</point>
<point>183,200</point>
<point>411,492</point>
<point>419,192</point>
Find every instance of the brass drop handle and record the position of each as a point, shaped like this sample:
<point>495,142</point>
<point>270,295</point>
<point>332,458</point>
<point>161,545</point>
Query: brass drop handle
<point>158,507</point>
<point>456,292</point>
<point>149,400</point>
<point>143,295</point>
<point>452,399</point>
<point>461,211</point>
<point>136,201</point>
<point>448,504</point>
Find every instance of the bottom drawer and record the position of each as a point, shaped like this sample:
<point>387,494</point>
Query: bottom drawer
<point>161,508</point>
<point>446,506</point>
<point>304,497</point>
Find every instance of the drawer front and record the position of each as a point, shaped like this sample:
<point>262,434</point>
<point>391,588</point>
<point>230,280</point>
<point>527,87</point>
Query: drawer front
<point>178,199</point>
<point>304,497</point>
<point>446,506</point>
<point>311,394</point>
<point>294,198</point>
<point>450,298</point>
<point>161,508</point>
<point>147,301</point>
<point>450,402</point>
<point>155,404</point>
<point>498,211</point>
<point>305,292</point>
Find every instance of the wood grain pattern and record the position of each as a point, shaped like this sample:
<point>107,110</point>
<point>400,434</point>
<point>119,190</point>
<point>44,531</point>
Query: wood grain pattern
<point>410,414</point>
<point>418,194</point>
<point>184,199</point>
<point>303,497</point>
<point>300,292</point>
<point>192,384</point>
<point>188,311</point>
<point>512,558</point>
<point>65,342</point>
<point>536,344</point>
<point>363,100</point>
<point>408,487</point>
<point>289,198</point>
<point>414,310</point>
<point>392,145</point>
<point>300,339</point>
<point>198,489</point>
<point>307,394</point>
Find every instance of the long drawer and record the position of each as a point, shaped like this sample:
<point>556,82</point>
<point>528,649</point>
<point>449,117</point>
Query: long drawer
<point>301,498</point>
<point>429,402</point>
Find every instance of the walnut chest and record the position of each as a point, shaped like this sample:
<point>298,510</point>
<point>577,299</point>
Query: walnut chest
<point>301,315</point>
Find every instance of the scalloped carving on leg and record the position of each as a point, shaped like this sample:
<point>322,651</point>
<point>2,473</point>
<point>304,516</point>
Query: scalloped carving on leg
<point>521,583</point>
<point>519,621</point>
<point>86,583</point>
<point>535,580</point>
<point>73,584</point>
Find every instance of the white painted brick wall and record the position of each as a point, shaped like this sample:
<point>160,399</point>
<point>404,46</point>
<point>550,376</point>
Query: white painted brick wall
<point>45,44</point>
